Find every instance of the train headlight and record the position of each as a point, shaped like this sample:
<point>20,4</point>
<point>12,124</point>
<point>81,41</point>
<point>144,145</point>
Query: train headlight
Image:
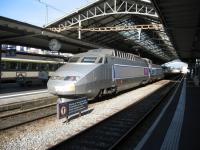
<point>67,88</point>
<point>71,78</point>
<point>70,87</point>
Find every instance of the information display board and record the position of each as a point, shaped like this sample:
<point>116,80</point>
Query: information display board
<point>69,107</point>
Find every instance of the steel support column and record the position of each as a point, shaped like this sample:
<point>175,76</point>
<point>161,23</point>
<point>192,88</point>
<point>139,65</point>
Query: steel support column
<point>79,30</point>
<point>0,63</point>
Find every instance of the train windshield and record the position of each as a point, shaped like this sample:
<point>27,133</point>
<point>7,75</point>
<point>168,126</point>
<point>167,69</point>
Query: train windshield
<point>89,60</point>
<point>74,59</point>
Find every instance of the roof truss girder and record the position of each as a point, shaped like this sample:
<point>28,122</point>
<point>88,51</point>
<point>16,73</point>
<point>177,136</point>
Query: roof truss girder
<point>111,7</point>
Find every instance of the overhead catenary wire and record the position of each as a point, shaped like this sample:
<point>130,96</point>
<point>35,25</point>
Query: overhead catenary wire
<point>50,6</point>
<point>47,11</point>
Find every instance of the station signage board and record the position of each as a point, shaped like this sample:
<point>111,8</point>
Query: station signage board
<point>66,107</point>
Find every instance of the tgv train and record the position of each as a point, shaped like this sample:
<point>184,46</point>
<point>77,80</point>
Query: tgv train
<point>101,71</point>
<point>156,71</point>
<point>26,69</point>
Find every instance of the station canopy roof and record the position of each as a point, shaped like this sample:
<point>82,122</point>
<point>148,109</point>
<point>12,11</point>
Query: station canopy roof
<point>115,14</point>
<point>19,33</point>
<point>158,44</point>
<point>181,19</point>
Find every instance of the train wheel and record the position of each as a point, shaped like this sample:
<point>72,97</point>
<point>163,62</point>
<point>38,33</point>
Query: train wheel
<point>100,94</point>
<point>115,91</point>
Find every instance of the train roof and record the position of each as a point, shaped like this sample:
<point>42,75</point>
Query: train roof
<point>109,52</point>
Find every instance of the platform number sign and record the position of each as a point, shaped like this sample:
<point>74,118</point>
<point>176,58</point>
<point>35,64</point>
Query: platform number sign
<point>63,110</point>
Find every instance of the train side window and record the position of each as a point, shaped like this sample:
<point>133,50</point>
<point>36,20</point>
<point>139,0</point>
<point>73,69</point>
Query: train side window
<point>100,60</point>
<point>34,67</point>
<point>43,67</point>
<point>29,65</point>
<point>24,66</point>
<point>12,66</point>
<point>106,60</point>
<point>38,67</point>
<point>51,67</point>
<point>56,66</point>
<point>3,65</point>
<point>47,66</point>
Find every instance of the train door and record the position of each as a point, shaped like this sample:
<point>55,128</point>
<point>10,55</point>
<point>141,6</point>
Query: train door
<point>105,69</point>
<point>108,70</point>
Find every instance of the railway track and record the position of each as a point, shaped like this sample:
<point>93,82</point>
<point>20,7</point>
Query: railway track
<point>16,114</point>
<point>110,132</point>
<point>21,113</point>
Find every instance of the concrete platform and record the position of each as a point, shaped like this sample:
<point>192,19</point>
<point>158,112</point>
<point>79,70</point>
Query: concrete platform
<point>18,97</point>
<point>191,124</point>
<point>178,127</point>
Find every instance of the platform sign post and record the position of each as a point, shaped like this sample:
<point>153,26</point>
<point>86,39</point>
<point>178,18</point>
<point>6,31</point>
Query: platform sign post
<point>70,107</point>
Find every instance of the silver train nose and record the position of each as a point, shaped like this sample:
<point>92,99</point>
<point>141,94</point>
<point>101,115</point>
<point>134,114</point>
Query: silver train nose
<point>61,87</point>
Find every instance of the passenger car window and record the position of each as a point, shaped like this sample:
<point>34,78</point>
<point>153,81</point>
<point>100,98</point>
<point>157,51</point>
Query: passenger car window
<point>3,65</point>
<point>52,67</point>
<point>12,66</point>
<point>89,59</point>
<point>24,66</point>
<point>34,66</point>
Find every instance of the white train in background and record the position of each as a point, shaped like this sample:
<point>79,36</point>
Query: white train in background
<point>27,69</point>
<point>102,71</point>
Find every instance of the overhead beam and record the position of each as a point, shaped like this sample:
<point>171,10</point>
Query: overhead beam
<point>111,29</point>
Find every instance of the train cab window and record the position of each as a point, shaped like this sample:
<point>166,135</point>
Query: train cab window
<point>89,60</point>
<point>73,59</point>
<point>100,60</point>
